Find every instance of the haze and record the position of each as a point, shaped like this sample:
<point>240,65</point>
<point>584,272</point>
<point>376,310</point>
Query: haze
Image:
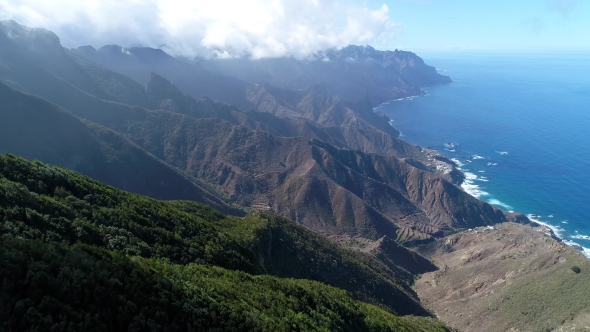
<point>264,28</point>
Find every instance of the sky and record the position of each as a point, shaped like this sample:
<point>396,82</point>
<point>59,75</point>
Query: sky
<point>504,26</point>
<point>299,28</point>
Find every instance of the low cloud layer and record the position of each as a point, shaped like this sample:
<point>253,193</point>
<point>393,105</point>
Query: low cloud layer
<point>255,28</point>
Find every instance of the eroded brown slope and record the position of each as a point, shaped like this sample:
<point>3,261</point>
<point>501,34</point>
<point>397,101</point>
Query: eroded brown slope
<point>312,114</point>
<point>328,189</point>
<point>513,277</point>
<point>316,104</point>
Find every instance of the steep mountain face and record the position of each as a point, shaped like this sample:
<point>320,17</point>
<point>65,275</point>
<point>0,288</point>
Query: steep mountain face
<point>33,128</point>
<point>408,64</point>
<point>313,183</point>
<point>350,81</point>
<point>121,87</point>
<point>328,189</point>
<point>351,73</point>
<point>312,114</point>
<point>317,105</point>
<point>40,49</point>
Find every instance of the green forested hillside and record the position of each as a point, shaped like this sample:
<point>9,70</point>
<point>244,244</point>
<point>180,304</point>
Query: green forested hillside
<point>50,215</point>
<point>84,288</point>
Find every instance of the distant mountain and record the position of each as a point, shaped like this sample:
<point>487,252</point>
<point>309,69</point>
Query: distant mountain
<point>25,50</point>
<point>319,106</point>
<point>35,128</point>
<point>140,62</point>
<point>408,64</point>
<point>285,150</point>
<point>331,164</point>
<point>350,73</point>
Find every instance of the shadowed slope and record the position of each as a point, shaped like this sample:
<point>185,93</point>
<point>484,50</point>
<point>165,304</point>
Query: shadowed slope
<point>35,128</point>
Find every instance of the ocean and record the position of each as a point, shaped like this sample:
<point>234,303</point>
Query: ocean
<point>518,126</point>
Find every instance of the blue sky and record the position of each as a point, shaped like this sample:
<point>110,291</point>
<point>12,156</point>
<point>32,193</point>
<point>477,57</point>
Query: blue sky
<point>530,26</point>
<point>299,28</point>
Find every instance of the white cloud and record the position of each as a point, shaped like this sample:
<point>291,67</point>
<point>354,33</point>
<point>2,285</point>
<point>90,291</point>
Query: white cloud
<point>257,28</point>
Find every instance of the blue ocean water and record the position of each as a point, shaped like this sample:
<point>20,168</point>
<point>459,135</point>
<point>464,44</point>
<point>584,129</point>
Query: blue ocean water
<point>520,127</point>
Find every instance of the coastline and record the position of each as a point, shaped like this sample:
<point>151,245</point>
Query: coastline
<point>559,233</point>
<point>469,183</point>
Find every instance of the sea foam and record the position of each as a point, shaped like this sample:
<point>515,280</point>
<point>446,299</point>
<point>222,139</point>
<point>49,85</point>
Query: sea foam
<point>560,233</point>
<point>497,202</point>
<point>457,162</point>
<point>470,187</point>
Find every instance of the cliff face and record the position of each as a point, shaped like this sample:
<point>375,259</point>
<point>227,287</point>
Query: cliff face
<point>408,64</point>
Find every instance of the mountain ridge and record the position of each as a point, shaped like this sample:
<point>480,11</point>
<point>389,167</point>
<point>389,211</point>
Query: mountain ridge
<point>332,189</point>
<point>38,129</point>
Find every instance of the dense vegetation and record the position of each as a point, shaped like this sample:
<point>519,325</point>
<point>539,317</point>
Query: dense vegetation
<point>85,255</point>
<point>83,288</point>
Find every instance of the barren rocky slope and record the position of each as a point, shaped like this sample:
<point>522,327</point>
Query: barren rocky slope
<point>509,277</point>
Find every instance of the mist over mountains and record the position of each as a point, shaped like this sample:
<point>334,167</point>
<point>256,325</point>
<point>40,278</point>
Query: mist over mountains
<point>326,161</point>
<point>284,152</point>
<point>350,73</point>
<point>253,29</point>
